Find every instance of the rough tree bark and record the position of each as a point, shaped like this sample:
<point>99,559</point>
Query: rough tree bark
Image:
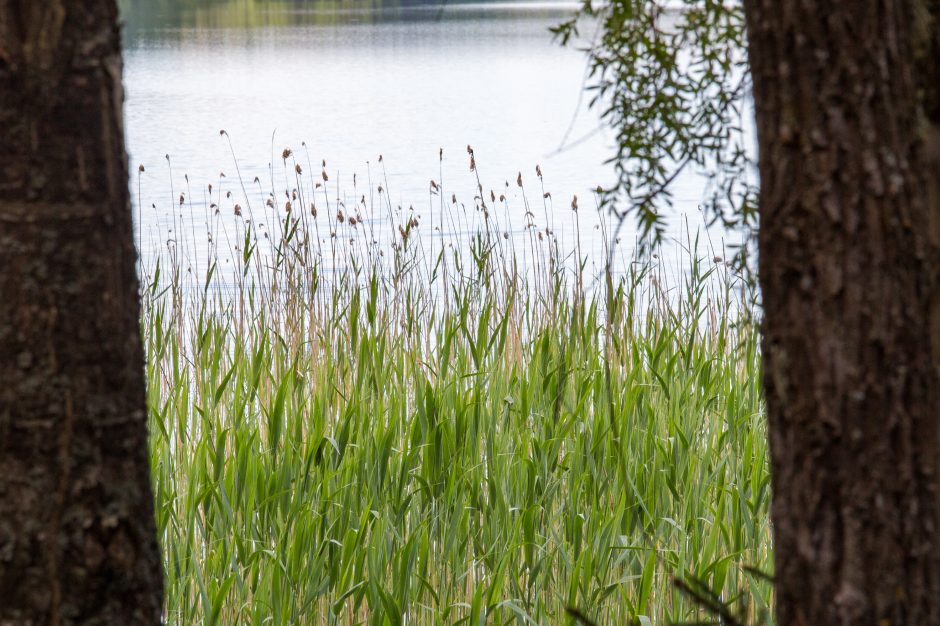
<point>77,537</point>
<point>846,271</point>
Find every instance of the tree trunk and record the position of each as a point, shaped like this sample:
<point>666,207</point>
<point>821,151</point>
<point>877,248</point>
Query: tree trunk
<point>77,537</point>
<point>846,271</point>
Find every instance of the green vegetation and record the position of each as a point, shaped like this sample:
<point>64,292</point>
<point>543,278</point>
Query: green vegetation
<point>143,17</point>
<point>354,432</point>
<point>139,14</point>
<point>672,79</point>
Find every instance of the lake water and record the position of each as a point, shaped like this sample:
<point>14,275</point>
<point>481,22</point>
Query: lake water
<point>346,85</point>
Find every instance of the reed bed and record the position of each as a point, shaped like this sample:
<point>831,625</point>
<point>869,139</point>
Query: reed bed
<point>353,424</point>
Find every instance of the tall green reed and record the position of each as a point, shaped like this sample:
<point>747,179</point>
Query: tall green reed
<point>355,427</point>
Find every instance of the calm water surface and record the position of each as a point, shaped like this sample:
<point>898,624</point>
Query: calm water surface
<point>347,85</point>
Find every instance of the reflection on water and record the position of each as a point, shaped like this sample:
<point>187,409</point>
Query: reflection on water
<point>345,82</point>
<point>142,17</point>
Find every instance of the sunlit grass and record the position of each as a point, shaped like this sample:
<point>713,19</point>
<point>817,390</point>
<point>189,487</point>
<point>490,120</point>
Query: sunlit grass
<point>465,429</point>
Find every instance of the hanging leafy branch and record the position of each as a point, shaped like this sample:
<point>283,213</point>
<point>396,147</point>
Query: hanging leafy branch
<point>671,78</point>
